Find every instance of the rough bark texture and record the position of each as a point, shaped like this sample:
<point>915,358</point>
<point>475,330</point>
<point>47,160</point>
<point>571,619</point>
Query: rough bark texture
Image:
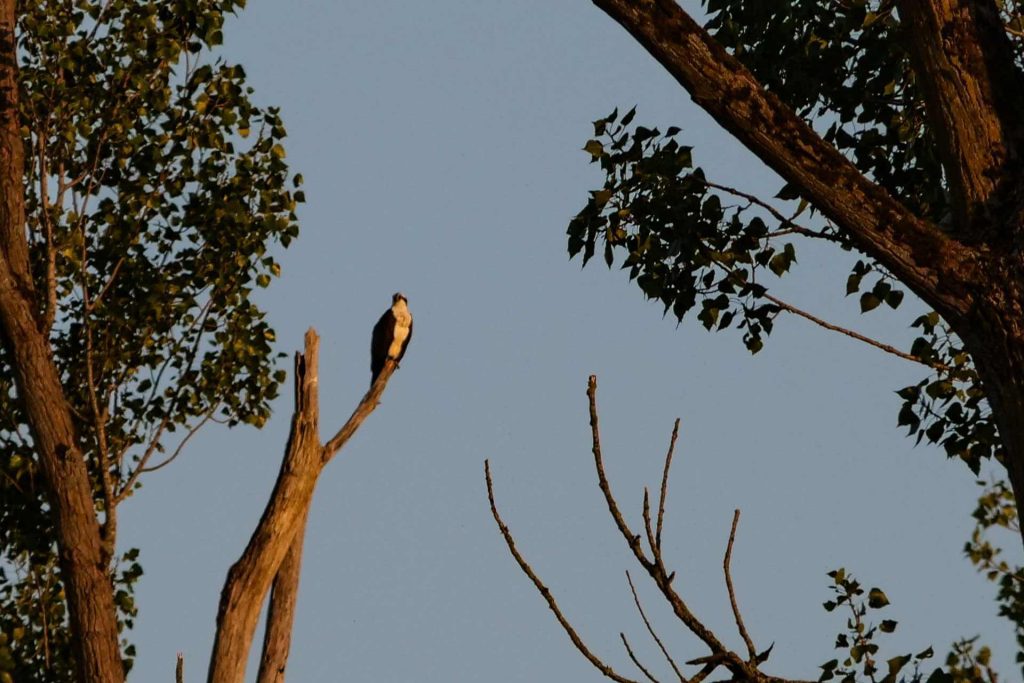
<point>250,578</point>
<point>961,53</point>
<point>931,264</point>
<point>277,637</point>
<point>972,274</point>
<point>93,619</point>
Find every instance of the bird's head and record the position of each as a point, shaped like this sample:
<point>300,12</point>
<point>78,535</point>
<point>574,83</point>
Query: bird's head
<point>398,296</point>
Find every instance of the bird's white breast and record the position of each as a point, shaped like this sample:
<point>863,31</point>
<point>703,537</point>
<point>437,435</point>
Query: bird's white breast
<point>403,319</point>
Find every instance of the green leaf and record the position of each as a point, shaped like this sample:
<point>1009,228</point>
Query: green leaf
<point>868,302</point>
<point>594,148</point>
<point>895,665</point>
<point>877,598</point>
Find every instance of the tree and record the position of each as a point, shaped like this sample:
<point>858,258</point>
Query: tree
<point>142,190</point>
<point>894,122</point>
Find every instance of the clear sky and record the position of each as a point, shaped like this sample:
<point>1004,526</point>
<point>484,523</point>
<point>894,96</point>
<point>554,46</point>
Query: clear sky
<point>440,143</point>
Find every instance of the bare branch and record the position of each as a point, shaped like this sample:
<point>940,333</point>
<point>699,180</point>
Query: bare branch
<point>751,650</point>
<point>613,507</point>
<point>664,484</point>
<point>789,226</point>
<point>179,669</point>
<point>177,451</point>
<point>650,629</point>
<point>655,568</point>
<point>51,248</point>
<point>647,524</point>
<point>718,655</point>
<point>853,335</point>
<point>629,651</point>
<point>543,590</point>
<point>366,406</point>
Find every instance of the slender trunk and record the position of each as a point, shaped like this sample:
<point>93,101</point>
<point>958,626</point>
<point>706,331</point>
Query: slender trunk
<point>277,638</point>
<point>251,576</point>
<point>84,575</point>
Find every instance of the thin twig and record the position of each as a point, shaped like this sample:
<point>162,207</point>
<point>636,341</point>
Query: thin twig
<point>650,629</point>
<point>664,484</point>
<point>647,525</point>
<point>726,568</point>
<point>613,507</point>
<point>791,227</point>
<point>109,529</point>
<point>853,335</point>
<point>543,590</point>
<point>51,248</point>
<point>636,661</point>
<point>192,432</point>
<point>656,568</point>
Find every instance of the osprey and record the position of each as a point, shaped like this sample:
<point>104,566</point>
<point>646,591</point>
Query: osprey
<point>391,335</point>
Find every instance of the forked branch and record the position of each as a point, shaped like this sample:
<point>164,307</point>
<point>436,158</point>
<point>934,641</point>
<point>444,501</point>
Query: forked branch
<point>739,667</point>
<point>275,536</point>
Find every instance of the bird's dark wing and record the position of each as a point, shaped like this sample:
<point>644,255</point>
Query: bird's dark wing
<point>379,342</point>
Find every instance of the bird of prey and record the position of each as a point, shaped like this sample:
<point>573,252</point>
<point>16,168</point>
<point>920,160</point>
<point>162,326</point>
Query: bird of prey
<point>391,335</point>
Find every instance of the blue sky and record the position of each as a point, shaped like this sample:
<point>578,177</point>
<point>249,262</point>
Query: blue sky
<point>440,143</point>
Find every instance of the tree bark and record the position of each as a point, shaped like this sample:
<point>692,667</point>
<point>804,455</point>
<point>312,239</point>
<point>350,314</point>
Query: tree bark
<point>93,618</point>
<point>935,267</point>
<point>283,519</point>
<point>277,637</point>
<point>972,92</point>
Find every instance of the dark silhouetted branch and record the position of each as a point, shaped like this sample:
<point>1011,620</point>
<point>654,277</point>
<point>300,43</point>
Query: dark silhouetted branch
<point>718,656</point>
<point>727,570</point>
<point>664,483</point>
<point>632,656</point>
<point>789,308</point>
<point>543,590</point>
<point>650,629</point>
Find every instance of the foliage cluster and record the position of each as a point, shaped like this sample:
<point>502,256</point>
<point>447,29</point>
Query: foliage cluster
<point>155,191</point>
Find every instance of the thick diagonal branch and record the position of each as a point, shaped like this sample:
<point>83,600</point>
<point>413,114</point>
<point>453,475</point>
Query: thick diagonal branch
<point>938,269</point>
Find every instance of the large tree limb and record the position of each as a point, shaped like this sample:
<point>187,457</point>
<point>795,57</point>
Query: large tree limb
<point>938,269</point>
<point>964,64</point>
<point>251,576</point>
<point>93,617</point>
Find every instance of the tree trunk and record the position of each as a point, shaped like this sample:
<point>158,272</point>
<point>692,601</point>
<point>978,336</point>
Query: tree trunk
<point>277,638</point>
<point>250,577</point>
<point>283,521</point>
<point>85,577</point>
<point>995,338</point>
